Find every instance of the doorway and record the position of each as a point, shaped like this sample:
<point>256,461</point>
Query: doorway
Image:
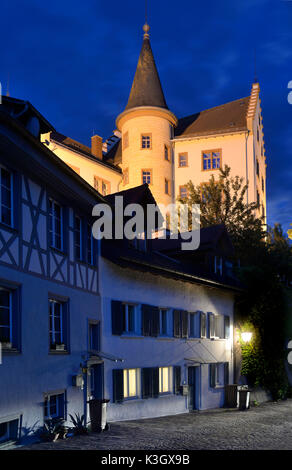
<point>96,381</point>
<point>193,381</point>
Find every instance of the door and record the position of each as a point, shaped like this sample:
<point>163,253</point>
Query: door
<point>192,383</point>
<point>96,381</point>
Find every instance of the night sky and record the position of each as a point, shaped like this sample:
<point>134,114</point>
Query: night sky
<point>75,62</point>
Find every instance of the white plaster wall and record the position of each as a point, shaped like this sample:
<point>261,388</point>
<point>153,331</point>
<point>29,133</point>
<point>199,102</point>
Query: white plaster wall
<point>137,352</point>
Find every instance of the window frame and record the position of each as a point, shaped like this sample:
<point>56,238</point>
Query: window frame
<point>211,151</point>
<point>64,325</point>
<point>52,225</point>
<point>47,405</point>
<point>147,170</point>
<point>14,289</point>
<point>186,155</point>
<point>126,383</point>
<point>167,186</point>
<point>125,313</point>
<point>12,195</point>
<point>96,324</point>
<point>10,323</point>
<point>169,380</point>
<point>183,186</point>
<point>163,312</point>
<point>166,153</point>
<point>80,235</point>
<point>146,136</point>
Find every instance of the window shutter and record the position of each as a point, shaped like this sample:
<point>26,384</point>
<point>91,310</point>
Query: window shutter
<point>177,379</point>
<point>146,320</point>
<point>146,382</point>
<point>212,374</point>
<point>61,400</point>
<point>226,327</point>
<point>211,329</point>
<point>176,324</point>
<point>117,317</point>
<point>66,328</point>
<point>184,322</point>
<point>226,373</point>
<point>203,324</point>
<point>155,382</point>
<point>118,385</point>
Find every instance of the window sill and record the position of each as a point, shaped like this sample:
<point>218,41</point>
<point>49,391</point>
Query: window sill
<point>10,351</point>
<point>165,338</point>
<point>56,352</point>
<point>129,336</point>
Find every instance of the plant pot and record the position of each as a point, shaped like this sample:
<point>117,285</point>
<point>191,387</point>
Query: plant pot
<point>58,347</point>
<point>6,345</point>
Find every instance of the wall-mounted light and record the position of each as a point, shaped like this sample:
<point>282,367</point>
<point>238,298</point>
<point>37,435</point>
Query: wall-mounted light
<point>246,336</point>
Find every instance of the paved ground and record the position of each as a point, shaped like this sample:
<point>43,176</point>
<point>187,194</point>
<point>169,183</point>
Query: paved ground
<point>268,426</point>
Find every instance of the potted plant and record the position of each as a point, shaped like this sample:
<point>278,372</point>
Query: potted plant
<point>53,429</point>
<point>58,346</point>
<point>78,422</point>
<point>6,344</point>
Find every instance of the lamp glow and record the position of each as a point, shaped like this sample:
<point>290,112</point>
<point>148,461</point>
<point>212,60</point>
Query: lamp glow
<point>246,336</point>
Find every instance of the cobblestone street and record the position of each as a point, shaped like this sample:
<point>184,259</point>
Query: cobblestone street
<point>268,426</point>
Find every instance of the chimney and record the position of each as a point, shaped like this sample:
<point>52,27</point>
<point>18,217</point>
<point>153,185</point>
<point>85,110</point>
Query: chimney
<point>96,146</point>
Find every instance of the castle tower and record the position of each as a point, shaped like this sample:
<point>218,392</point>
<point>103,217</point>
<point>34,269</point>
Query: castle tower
<point>147,128</point>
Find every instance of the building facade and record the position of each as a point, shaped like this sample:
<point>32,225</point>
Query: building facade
<point>151,145</point>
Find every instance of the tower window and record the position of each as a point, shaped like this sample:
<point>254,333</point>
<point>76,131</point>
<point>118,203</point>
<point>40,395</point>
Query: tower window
<point>125,140</point>
<point>146,141</point>
<point>263,184</point>
<point>166,152</point>
<point>167,186</point>
<point>258,198</point>
<point>182,159</point>
<point>147,176</point>
<point>258,168</point>
<point>211,160</point>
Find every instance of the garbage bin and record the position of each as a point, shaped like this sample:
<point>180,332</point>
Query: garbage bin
<point>97,411</point>
<point>243,397</point>
<point>230,397</point>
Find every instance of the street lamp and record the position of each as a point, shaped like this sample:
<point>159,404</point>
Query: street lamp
<point>246,336</point>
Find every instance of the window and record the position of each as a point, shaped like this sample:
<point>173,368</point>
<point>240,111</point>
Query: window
<point>258,198</point>
<point>125,140</point>
<point>54,406</point>
<point>263,184</point>
<point>180,324</point>
<point>5,317</point>
<point>167,186</point>
<point>211,159</point>
<point>150,382</point>
<point>165,379</point>
<point>219,374</point>
<point>102,186</point>
<point>194,324</point>
<point>150,320</point>
<point>9,318</point>
<point>58,325</point>
<point>182,160</point>
<point>90,245</point>
<point>166,152</point>
<point>78,238</point>
<point>258,135</point>
<point>163,313</point>
<point>258,168</point>
<point>203,325</point>
<point>128,318</point>
<point>147,176</point>
<point>146,141</point>
<point>126,176</point>
<point>130,383</point>
<point>56,224</point>
<point>94,335</point>
<point>183,192</point>
<point>218,265</point>
<point>9,431</point>
<point>216,326</point>
<point>6,197</point>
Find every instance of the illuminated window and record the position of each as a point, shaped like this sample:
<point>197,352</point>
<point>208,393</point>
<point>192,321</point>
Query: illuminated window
<point>147,176</point>
<point>183,192</point>
<point>125,140</point>
<point>211,159</point>
<point>130,383</point>
<point>182,160</point>
<point>164,379</point>
<point>146,141</point>
<point>166,152</point>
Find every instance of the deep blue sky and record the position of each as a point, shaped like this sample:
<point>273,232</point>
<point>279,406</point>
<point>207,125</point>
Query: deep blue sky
<point>75,62</point>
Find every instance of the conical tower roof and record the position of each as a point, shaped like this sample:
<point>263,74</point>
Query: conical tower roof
<point>146,89</point>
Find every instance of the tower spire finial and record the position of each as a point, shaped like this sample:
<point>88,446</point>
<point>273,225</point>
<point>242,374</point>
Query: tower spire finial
<point>146,26</point>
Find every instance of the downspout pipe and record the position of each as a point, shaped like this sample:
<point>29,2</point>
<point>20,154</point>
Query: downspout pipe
<point>246,163</point>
